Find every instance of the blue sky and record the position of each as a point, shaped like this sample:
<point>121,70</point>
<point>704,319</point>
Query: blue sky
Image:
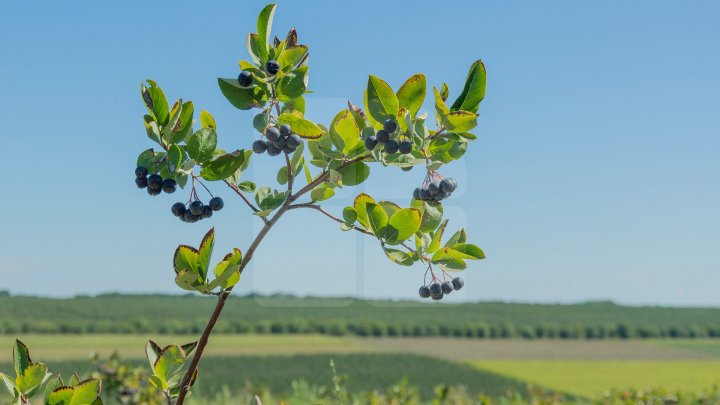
<point>595,175</point>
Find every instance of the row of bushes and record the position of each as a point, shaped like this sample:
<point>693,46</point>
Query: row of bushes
<point>371,328</point>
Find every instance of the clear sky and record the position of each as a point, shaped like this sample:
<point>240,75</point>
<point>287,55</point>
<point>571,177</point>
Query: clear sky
<point>595,175</point>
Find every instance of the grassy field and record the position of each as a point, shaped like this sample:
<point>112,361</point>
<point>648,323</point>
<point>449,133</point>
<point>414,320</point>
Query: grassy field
<point>592,378</point>
<point>339,316</point>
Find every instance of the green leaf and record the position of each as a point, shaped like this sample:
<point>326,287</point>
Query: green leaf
<point>247,186</point>
<point>291,56</point>
<point>174,125</point>
<point>152,351</point>
<point>264,25</point>
<point>360,205</point>
<point>31,378</point>
<point>382,103</point>
<point>251,41</point>
<point>322,193</point>
<point>299,125</point>
<point>241,97</point>
<point>171,359</point>
<point>226,276</point>
<point>458,237</point>
<point>350,215</point>
<point>474,90</point>
<point>223,166</point>
<point>460,121</point>
<point>431,214</point>
<point>345,131</point>
<point>260,122</point>
<point>186,120</point>
<point>188,280</point>
<point>175,156</point>
<point>411,94</point>
<point>204,253</point>
<point>207,120</point>
<point>185,259</point>
<point>403,224</point>
<point>61,396</point>
<point>354,173</point>
<point>389,207</point>
<point>458,252</point>
<point>400,257</point>
<point>188,348</point>
<point>21,357</point>
<point>86,392</point>
<point>269,199</point>
<point>201,144</point>
<point>53,384</point>
<point>293,85</point>
<point>9,383</point>
<point>377,218</point>
<point>155,100</point>
<point>437,237</point>
<point>444,91</point>
<point>469,251</point>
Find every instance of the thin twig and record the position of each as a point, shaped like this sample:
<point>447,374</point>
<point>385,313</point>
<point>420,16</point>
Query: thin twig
<point>244,198</point>
<point>329,215</point>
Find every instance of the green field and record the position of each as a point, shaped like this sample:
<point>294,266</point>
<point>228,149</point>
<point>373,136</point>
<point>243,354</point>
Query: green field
<point>346,316</point>
<point>591,378</point>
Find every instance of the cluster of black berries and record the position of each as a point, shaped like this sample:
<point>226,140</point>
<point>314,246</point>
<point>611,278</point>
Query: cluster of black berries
<point>197,210</point>
<point>245,79</point>
<point>437,290</point>
<point>278,141</point>
<point>435,190</point>
<point>389,145</point>
<point>153,183</point>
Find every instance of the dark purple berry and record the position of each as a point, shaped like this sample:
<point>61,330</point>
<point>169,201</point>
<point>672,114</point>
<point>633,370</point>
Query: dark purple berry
<point>155,182</point>
<point>285,130</point>
<point>280,143</point>
<point>391,147</point>
<point>216,203</point>
<point>458,283</point>
<point>259,147</point>
<point>382,136</point>
<point>272,67</point>
<point>371,142</point>
<point>293,140</point>
<point>416,193</point>
<point>141,171</point>
<point>447,287</point>
<point>141,182</point>
<point>196,207</point>
<point>169,186</point>
<point>405,147</point>
<point>245,79</point>
<point>425,194</point>
<point>287,149</point>
<point>433,188</point>
<point>447,185</point>
<point>178,209</point>
<point>273,150</point>
<point>272,134</point>
<point>153,191</point>
<point>424,292</point>
<point>390,126</point>
<point>207,212</point>
<point>436,291</point>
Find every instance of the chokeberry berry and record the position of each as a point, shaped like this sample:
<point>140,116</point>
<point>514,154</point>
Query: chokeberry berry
<point>280,143</point>
<point>442,195</point>
<point>405,147</point>
<point>196,207</point>
<point>436,291</point>
<point>272,134</point>
<point>425,194</point>
<point>447,287</point>
<point>391,147</point>
<point>458,283</point>
<point>433,188</point>
<point>155,181</point>
<point>390,126</point>
<point>424,292</point>
<point>272,67</point>
<point>178,209</point>
<point>273,150</point>
<point>416,193</point>
<point>168,186</point>
<point>285,130</point>
<point>216,203</point>
<point>287,149</point>
<point>189,217</point>
<point>371,142</point>
<point>245,79</point>
<point>207,212</point>
<point>259,146</point>
<point>447,185</point>
<point>153,191</point>
<point>141,171</point>
<point>141,182</point>
<point>382,136</point>
<point>293,140</point>
<point>406,168</point>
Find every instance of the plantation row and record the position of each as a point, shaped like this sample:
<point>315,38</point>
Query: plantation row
<point>346,316</point>
<point>368,329</point>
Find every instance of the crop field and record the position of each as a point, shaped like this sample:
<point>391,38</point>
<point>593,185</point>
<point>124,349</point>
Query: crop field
<point>272,362</point>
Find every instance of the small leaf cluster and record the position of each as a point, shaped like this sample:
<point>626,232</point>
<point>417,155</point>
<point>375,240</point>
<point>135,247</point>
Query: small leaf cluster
<point>31,376</point>
<point>167,365</point>
<point>192,266</point>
